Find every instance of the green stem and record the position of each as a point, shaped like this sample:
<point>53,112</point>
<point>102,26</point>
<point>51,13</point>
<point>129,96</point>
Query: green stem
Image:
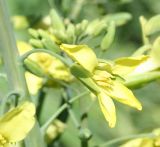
<point>84,143</point>
<point>24,56</point>
<point>41,99</point>
<point>15,71</point>
<point>61,109</point>
<point>5,100</point>
<point>10,54</point>
<point>138,80</point>
<point>74,119</point>
<point>125,138</point>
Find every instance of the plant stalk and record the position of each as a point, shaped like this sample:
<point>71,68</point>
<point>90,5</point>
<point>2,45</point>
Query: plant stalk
<point>60,110</point>
<point>10,54</point>
<point>15,71</point>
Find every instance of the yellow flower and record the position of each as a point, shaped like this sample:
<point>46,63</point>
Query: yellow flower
<point>81,54</point>
<point>54,130</point>
<point>145,142</point>
<point>112,88</point>
<point>16,124</point>
<point>128,66</point>
<point>99,78</point>
<point>53,67</point>
<point>50,65</point>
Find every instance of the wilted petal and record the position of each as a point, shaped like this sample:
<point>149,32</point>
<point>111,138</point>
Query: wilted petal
<point>81,54</point>
<point>123,95</point>
<point>108,108</point>
<point>15,124</point>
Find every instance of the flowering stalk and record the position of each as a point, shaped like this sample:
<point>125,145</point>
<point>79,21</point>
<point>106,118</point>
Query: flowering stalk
<point>10,54</point>
<point>14,70</point>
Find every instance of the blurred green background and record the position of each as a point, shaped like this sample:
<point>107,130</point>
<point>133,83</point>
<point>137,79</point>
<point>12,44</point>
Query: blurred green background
<point>128,39</point>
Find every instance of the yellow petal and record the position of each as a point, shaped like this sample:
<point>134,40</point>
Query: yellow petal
<point>124,95</point>
<point>126,65</point>
<point>108,108</point>
<point>81,54</point>
<point>15,124</point>
<point>52,66</point>
<point>133,143</point>
<point>23,47</point>
<point>34,83</point>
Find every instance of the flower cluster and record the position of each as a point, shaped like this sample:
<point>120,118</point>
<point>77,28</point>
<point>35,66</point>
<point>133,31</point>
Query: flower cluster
<point>23,116</point>
<point>98,76</point>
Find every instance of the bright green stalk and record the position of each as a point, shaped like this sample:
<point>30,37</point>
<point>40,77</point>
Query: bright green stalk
<point>14,70</point>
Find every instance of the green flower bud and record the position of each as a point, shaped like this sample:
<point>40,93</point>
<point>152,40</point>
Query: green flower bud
<point>36,43</point>
<point>34,68</point>
<point>33,33</point>
<point>57,22</point>
<point>109,37</point>
<point>118,18</point>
